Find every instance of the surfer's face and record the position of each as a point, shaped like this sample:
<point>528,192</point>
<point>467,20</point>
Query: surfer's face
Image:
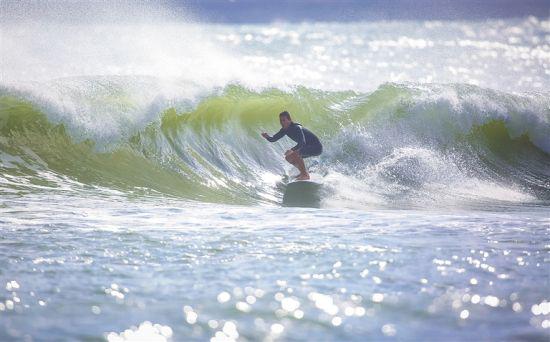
<point>285,122</point>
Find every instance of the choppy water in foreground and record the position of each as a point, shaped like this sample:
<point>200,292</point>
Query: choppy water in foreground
<point>86,267</point>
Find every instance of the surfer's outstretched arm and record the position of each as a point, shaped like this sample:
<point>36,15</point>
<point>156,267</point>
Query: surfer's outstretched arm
<point>276,137</point>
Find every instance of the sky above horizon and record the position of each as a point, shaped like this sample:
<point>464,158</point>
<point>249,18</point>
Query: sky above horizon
<point>361,10</point>
<point>265,11</point>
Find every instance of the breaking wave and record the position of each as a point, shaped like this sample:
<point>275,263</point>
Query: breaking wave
<point>402,145</point>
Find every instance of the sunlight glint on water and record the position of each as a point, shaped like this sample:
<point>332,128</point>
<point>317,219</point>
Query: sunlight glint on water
<point>138,201</point>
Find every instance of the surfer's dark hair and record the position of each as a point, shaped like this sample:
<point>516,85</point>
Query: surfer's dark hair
<point>286,114</point>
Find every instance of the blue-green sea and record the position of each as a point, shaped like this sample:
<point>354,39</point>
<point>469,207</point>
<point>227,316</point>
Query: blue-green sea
<point>138,201</point>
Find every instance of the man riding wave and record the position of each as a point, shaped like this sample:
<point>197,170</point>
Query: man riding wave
<point>308,145</point>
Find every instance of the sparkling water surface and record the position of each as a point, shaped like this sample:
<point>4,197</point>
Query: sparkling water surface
<point>92,267</point>
<point>438,136</point>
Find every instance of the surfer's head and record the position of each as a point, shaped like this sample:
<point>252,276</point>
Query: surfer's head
<point>285,119</point>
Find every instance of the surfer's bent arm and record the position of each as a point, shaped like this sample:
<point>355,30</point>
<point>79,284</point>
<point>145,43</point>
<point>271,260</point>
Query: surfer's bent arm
<point>276,137</point>
<point>301,139</point>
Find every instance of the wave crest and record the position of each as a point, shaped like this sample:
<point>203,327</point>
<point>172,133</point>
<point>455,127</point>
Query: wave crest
<point>403,144</point>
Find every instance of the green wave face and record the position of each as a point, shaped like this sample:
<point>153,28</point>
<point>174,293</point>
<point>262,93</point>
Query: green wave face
<point>43,154</point>
<point>399,145</point>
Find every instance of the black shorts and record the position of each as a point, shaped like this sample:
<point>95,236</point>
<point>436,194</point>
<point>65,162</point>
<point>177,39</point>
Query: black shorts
<point>311,150</point>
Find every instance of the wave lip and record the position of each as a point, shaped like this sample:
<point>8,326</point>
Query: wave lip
<point>402,145</point>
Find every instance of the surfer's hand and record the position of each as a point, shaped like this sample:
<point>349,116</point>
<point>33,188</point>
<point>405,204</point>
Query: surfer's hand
<point>265,135</point>
<point>288,152</point>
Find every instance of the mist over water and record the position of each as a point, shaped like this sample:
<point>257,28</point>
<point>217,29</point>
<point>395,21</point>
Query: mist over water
<point>138,199</point>
<point>509,55</point>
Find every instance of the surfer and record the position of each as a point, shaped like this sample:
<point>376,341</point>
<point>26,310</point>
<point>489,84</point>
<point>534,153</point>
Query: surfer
<point>308,145</point>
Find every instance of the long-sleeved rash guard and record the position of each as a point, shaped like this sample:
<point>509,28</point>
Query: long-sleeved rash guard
<point>302,136</point>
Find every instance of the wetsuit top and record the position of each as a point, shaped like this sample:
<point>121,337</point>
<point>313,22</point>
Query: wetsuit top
<point>302,136</point>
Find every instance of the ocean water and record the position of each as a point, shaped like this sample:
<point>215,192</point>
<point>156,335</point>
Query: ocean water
<point>139,201</point>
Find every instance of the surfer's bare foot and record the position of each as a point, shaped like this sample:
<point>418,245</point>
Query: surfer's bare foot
<point>303,177</point>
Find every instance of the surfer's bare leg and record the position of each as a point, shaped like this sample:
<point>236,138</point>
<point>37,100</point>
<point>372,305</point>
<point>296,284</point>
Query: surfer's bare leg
<point>304,175</point>
<point>290,158</point>
<point>295,159</point>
